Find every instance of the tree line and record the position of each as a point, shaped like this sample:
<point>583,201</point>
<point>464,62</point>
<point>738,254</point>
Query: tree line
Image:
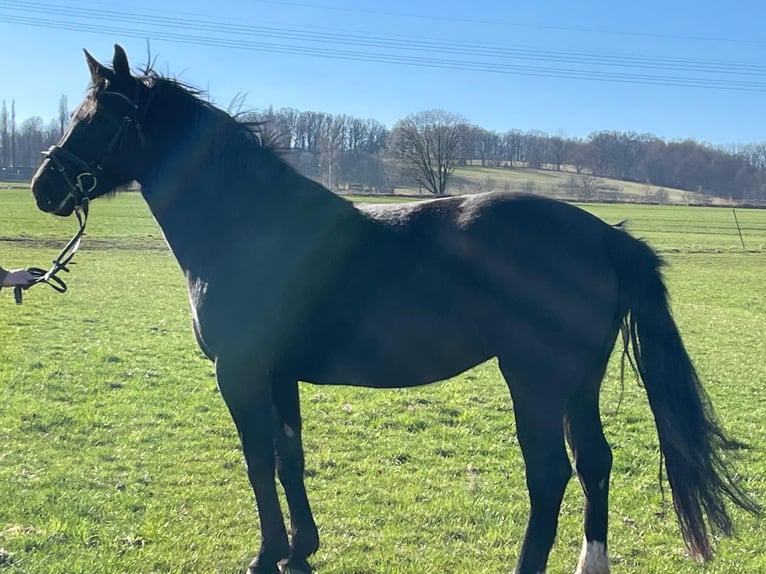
<point>341,150</point>
<point>423,150</point>
<point>22,142</point>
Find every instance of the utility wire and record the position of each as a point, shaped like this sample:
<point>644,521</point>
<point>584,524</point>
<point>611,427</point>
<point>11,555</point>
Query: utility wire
<point>503,60</point>
<point>463,20</point>
<point>391,42</point>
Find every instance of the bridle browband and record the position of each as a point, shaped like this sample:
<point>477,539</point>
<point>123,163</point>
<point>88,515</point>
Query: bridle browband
<point>80,188</point>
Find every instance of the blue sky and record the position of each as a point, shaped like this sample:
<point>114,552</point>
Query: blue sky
<point>501,64</point>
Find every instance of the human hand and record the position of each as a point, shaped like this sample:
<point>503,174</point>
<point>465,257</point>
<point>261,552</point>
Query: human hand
<point>20,277</point>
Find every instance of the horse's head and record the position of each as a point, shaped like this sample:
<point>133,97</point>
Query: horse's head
<point>103,145</point>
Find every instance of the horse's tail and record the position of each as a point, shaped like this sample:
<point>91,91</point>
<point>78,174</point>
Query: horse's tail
<point>691,440</point>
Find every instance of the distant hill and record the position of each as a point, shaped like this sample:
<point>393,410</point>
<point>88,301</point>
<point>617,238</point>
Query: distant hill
<point>565,184</point>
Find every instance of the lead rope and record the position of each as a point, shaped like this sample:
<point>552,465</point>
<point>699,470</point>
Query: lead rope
<point>61,263</point>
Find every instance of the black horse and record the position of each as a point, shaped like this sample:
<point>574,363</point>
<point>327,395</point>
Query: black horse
<point>289,282</point>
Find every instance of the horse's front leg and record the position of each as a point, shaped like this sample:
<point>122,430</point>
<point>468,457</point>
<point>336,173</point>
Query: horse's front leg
<point>290,469</point>
<point>247,392</point>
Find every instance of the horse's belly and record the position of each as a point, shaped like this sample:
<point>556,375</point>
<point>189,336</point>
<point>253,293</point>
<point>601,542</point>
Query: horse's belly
<point>401,353</point>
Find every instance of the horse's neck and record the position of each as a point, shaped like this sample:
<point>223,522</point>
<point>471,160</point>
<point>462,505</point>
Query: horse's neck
<point>202,212</point>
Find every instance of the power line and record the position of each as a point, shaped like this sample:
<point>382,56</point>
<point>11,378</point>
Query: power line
<point>294,41</point>
<point>397,43</point>
<point>463,20</point>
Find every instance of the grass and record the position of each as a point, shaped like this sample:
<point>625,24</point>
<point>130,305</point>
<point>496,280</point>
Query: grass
<point>118,454</point>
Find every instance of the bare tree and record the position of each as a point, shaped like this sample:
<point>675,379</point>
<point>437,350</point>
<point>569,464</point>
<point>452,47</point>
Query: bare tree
<point>534,145</point>
<point>512,144</point>
<point>480,144</point>
<point>581,154</point>
<point>589,186</point>
<point>5,138</point>
<point>583,187</point>
<point>559,149</point>
<point>428,145</point>
<point>30,142</point>
<point>331,143</point>
<point>602,152</point>
<point>63,118</point>
<point>13,133</point>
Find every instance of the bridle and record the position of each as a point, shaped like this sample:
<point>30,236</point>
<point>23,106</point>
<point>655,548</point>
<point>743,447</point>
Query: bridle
<point>79,189</point>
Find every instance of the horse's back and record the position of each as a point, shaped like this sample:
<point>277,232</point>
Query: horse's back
<point>442,285</point>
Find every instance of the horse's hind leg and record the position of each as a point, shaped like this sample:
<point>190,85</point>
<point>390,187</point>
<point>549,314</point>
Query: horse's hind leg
<point>593,462</point>
<point>290,467</point>
<point>539,424</point>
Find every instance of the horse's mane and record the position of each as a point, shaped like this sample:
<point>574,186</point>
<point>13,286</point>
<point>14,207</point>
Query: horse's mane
<point>230,145</point>
<point>187,94</point>
<point>243,153</point>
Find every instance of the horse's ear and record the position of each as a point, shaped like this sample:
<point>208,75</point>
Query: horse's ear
<point>97,70</point>
<point>120,62</point>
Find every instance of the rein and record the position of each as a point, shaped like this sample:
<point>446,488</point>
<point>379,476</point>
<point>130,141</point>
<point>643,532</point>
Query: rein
<point>62,261</point>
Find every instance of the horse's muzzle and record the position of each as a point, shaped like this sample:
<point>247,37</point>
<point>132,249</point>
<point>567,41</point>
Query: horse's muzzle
<point>46,198</point>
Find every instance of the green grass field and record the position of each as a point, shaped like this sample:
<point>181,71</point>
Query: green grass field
<point>117,453</point>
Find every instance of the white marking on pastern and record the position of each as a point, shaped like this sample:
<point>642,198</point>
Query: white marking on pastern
<point>593,559</point>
